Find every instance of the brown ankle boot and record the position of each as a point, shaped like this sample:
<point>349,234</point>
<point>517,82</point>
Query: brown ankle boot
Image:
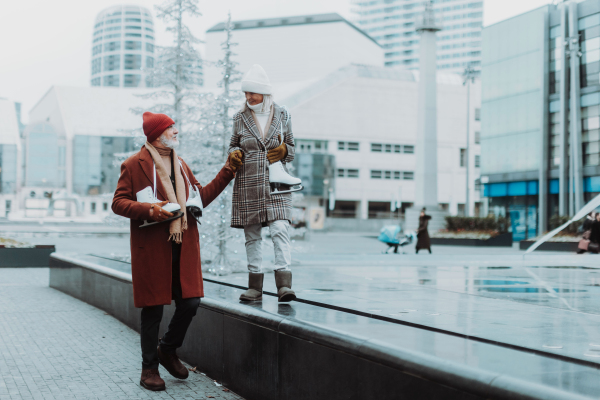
<point>255,286</point>
<point>151,380</point>
<point>172,364</point>
<point>283,281</point>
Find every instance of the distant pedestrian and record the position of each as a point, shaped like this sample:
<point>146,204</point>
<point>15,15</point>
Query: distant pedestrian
<point>165,257</point>
<point>587,222</point>
<point>594,246</point>
<point>423,240</point>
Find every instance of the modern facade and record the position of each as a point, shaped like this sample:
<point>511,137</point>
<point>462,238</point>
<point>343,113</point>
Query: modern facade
<point>70,145</point>
<point>540,134</point>
<point>366,117</point>
<point>10,152</point>
<point>393,24</point>
<point>123,47</point>
<point>293,49</point>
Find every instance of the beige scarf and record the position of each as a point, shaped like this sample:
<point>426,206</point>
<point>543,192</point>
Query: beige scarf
<point>180,224</point>
<point>263,135</point>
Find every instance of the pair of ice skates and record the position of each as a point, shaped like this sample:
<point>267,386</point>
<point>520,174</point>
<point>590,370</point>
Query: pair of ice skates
<point>278,177</point>
<point>193,203</point>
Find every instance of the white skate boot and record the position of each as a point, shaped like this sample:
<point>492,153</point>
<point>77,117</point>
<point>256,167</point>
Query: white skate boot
<point>194,201</point>
<point>278,176</point>
<point>147,195</point>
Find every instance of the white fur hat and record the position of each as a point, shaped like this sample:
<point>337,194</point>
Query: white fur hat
<point>256,81</point>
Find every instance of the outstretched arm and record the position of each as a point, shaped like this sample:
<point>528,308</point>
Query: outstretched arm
<point>212,190</point>
<point>124,203</point>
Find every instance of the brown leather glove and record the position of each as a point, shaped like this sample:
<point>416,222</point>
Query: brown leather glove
<point>157,213</point>
<point>278,153</point>
<point>235,159</point>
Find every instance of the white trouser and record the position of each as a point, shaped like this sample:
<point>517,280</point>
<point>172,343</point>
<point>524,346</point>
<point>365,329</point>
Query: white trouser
<point>281,243</point>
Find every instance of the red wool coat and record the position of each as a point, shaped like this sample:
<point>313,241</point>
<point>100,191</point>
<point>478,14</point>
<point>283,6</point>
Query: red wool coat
<point>150,247</point>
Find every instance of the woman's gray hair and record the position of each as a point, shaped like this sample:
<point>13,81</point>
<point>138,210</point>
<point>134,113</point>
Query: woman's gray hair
<point>266,103</point>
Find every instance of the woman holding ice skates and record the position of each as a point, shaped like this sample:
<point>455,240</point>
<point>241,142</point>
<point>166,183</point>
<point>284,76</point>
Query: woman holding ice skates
<point>261,143</point>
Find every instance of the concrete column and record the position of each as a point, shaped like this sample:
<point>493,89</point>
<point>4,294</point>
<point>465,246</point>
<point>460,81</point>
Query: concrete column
<point>563,176</point>
<point>363,209</point>
<point>544,134</point>
<point>426,151</point>
<point>576,150</point>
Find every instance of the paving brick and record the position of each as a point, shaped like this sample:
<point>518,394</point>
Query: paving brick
<point>53,346</point>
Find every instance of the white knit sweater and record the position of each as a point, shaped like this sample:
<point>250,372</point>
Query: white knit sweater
<point>262,117</point>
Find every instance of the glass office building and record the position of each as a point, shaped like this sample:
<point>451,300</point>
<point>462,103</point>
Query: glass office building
<point>540,134</point>
<point>123,47</point>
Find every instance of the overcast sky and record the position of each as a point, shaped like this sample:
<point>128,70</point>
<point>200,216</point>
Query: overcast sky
<point>48,42</point>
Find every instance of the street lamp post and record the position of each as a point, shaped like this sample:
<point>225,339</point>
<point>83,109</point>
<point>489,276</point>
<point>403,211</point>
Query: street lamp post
<point>468,77</point>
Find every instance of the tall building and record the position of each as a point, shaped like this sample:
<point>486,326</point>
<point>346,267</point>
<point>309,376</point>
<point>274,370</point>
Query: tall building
<point>393,24</point>
<point>10,153</point>
<point>122,47</point>
<point>293,49</point>
<point>540,134</point>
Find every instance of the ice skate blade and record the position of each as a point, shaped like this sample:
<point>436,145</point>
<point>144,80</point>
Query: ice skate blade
<point>288,191</point>
<point>147,224</point>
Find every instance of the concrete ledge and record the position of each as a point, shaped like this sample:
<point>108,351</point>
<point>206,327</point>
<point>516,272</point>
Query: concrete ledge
<point>570,247</point>
<point>15,257</point>
<point>264,354</point>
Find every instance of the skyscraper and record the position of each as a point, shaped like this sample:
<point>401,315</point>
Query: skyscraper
<point>122,47</point>
<point>392,24</point>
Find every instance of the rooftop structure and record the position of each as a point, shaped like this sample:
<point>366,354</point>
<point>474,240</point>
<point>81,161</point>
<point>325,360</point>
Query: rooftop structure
<point>293,49</point>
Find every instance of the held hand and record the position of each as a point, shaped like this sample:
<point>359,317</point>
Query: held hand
<point>157,213</point>
<point>278,153</point>
<point>235,159</point>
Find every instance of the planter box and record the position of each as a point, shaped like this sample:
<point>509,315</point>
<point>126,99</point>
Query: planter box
<point>551,246</point>
<point>502,240</point>
<point>38,256</point>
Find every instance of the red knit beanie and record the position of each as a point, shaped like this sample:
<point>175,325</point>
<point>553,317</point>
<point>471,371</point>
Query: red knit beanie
<point>155,124</point>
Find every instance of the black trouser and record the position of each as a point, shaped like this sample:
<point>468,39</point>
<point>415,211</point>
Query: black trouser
<point>185,310</point>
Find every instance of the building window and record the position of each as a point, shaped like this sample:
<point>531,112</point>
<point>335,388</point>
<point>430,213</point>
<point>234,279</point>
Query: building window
<point>477,137</point>
<point>478,114</point>
<point>112,63</point>
<point>409,149</point>
<point>375,174</point>
<point>133,20</point>
<point>112,46</point>
<point>132,61</point>
<point>463,157</point>
<point>397,148</point>
<point>341,145</point>
<point>133,34</point>
<point>96,65</point>
<point>131,80</point>
<point>97,49</point>
<point>409,176</point>
<point>376,147</point>
<point>149,62</point>
<point>93,208</point>
<point>388,174</point>
<point>352,173</point>
<point>105,206</point>
<point>388,148</point>
<point>353,146</point>
<point>96,82</point>
<point>340,173</point>
<point>396,174</point>
<point>477,161</point>
<point>110,80</point>
<point>149,47</point>
<point>133,45</point>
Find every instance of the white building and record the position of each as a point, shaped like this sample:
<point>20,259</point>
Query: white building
<point>367,117</point>
<point>122,47</point>
<point>293,49</point>
<point>392,24</point>
<point>10,156</point>
<point>70,144</point>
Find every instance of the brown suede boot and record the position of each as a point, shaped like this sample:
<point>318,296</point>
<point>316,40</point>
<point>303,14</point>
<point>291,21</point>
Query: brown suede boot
<point>255,285</point>
<point>172,364</point>
<point>151,380</point>
<point>283,281</point>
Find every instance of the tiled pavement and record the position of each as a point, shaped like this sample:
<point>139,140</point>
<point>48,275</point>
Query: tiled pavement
<point>53,346</point>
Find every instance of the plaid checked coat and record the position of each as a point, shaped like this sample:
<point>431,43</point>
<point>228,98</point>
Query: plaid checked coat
<point>252,201</point>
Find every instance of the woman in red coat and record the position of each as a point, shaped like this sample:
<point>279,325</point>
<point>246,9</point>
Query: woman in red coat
<point>165,257</point>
